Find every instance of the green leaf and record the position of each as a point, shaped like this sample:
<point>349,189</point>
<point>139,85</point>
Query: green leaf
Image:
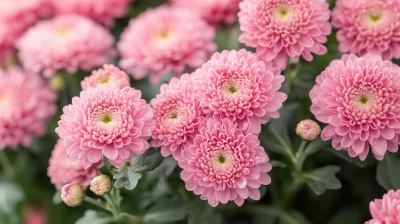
<point>92,217</point>
<point>277,164</point>
<point>369,161</point>
<point>57,198</point>
<point>10,196</point>
<point>148,161</point>
<point>388,172</point>
<point>315,146</point>
<point>127,178</point>
<point>323,179</point>
<point>165,211</point>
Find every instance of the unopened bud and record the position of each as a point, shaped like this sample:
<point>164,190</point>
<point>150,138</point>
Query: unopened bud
<point>308,130</point>
<point>72,194</point>
<point>57,82</point>
<point>101,185</point>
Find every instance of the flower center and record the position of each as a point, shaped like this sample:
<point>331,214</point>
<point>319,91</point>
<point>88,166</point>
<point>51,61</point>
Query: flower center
<point>62,31</point>
<point>232,89</point>
<point>282,12</point>
<point>104,80</point>
<point>164,34</point>
<point>221,159</point>
<point>173,116</point>
<point>106,119</point>
<point>375,17</point>
<point>364,100</point>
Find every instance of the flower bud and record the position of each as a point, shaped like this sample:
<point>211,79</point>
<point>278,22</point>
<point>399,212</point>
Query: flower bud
<point>57,82</point>
<point>72,194</point>
<point>308,130</point>
<point>100,185</point>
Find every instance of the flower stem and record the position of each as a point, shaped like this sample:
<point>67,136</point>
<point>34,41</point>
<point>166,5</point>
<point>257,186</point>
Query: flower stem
<point>96,203</point>
<point>5,162</point>
<point>115,209</point>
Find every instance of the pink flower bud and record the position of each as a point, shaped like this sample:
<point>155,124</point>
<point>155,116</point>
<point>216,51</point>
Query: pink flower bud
<point>72,194</point>
<point>100,185</point>
<point>308,130</point>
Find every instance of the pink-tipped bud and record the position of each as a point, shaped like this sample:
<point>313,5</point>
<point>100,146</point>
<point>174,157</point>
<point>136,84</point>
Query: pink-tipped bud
<point>72,194</point>
<point>308,130</point>
<point>101,185</point>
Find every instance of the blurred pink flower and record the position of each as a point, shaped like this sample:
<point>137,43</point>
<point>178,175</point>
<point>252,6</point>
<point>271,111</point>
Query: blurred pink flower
<point>282,28</point>
<point>368,26</point>
<point>237,86</point>
<point>164,40</point>
<point>65,42</point>
<point>224,164</point>
<point>63,171</point>
<point>386,210</point>
<point>35,215</point>
<point>359,99</point>
<point>106,121</point>
<point>7,38</point>
<point>106,76</point>
<point>26,103</point>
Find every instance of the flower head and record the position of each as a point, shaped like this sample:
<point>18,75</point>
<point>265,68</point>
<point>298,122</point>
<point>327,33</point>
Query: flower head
<point>282,28</point>
<point>108,75</point>
<point>359,99</point>
<point>65,42</point>
<point>224,164</point>
<point>35,214</point>
<point>101,185</point>
<point>164,40</point>
<point>386,210</point>
<point>368,26</point>
<point>64,171</point>
<point>106,121</point>
<point>308,130</point>
<point>26,103</point>
<point>72,195</point>
<point>237,86</point>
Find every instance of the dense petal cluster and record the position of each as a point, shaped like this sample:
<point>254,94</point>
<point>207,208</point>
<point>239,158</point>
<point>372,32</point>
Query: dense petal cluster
<point>63,171</point>
<point>7,37</point>
<point>164,40</point>
<point>282,28</point>
<point>386,210</point>
<point>106,121</point>
<point>214,11</point>
<point>238,86</point>
<point>368,26</point>
<point>109,75</point>
<point>65,42</point>
<point>26,103</point>
<point>359,99</point>
<point>224,164</point>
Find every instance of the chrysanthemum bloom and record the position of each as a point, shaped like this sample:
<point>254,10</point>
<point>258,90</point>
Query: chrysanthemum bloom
<point>368,26</point>
<point>65,42</point>
<point>26,103</point>
<point>108,75</point>
<point>106,121</point>
<point>103,11</point>
<point>224,164</point>
<point>177,114</point>
<point>6,42</point>
<point>359,99</point>
<point>386,210</point>
<point>308,130</point>
<point>63,171</point>
<point>282,28</point>
<point>214,11</point>
<point>238,86</point>
<point>165,40</point>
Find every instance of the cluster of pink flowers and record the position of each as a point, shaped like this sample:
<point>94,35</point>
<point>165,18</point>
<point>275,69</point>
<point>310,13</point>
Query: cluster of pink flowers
<point>386,210</point>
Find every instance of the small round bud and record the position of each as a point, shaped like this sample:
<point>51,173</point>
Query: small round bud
<point>72,194</point>
<point>100,185</point>
<point>308,130</point>
<point>57,82</point>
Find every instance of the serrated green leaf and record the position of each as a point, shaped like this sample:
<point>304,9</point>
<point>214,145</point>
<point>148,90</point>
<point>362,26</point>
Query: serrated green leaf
<point>92,217</point>
<point>388,172</point>
<point>148,161</point>
<point>165,211</point>
<point>323,179</point>
<point>127,178</point>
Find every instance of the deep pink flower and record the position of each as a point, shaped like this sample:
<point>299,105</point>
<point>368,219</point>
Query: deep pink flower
<point>65,42</point>
<point>63,171</point>
<point>164,40</point>
<point>108,75</point>
<point>386,210</point>
<point>224,164</point>
<point>26,103</point>
<point>359,99</point>
<point>368,26</point>
<point>282,28</point>
<point>106,121</point>
<point>238,86</point>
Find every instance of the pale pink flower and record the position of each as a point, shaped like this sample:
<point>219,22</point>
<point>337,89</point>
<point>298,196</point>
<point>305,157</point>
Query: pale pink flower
<point>164,40</point>
<point>238,86</point>
<point>282,28</point>
<point>368,26</point>
<point>106,121</point>
<point>63,171</point>
<point>65,42</point>
<point>385,210</point>
<point>7,38</point>
<point>224,164</point>
<point>35,215</point>
<point>106,76</point>
<point>26,103</point>
<point>177,114</point>
<point>359,99</point>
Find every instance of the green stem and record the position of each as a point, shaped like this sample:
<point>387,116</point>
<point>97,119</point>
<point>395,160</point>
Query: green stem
<point>5,162</point>
<point>286,147</point>
<point>96,203</point>
<point>115,209</point>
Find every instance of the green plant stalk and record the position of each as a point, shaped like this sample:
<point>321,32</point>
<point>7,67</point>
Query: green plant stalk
<point>5,162</point>
<point>115,209</point>
<point>96,203</point>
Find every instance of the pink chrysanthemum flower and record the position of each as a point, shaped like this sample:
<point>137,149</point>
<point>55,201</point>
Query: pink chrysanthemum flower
<point>63,171</point>
<point>26,103</point>
<point>103,11</point>
<point>238,86</point>
<point>109,75</point>
<point>177,114</point>
<point>359,98</point>
<point>282,28</point>
<point>106,121</point>
<point>65,42</point>
<point>164,40</point>
<point>368,26</point>
<point>386,210</point>
<point>224,164</point>
<point>7,37</point>
<point>214,11</point>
